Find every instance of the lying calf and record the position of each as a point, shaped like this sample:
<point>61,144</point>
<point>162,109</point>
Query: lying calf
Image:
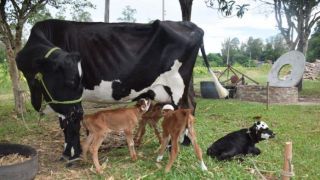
<point>151,117</point>
<point>240,142</point>
<point>101,123</point>
<point>173,125</point>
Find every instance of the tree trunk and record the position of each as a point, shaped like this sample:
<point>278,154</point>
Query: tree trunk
<point>186,7</point>
<point>14,76</point>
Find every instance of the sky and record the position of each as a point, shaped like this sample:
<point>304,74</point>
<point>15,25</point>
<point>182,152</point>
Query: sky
<point>255,22</point>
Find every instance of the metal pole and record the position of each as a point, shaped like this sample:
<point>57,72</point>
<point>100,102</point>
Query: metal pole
<point>106,10</point>
<point>163,10</point>
<point>268,95</point>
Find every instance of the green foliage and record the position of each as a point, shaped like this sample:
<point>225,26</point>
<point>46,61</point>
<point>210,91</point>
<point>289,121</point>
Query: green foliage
<point>2,54</point>
<point>215,59</point>
<point>40,15</point>
<point>4,78</point>
<point>128,15</point>
<point>226,7</point>
<point>313,52</point>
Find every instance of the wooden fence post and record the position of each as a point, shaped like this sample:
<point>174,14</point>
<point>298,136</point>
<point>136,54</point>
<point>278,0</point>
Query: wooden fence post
<point>287,171</point>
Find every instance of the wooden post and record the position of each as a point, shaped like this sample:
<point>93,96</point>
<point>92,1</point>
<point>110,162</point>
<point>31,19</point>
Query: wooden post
<point>268,96</point>
<point>287,171</point>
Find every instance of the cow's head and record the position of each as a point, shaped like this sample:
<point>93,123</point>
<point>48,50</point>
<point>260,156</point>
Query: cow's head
<point>60,80</point>
<point>260,131</point>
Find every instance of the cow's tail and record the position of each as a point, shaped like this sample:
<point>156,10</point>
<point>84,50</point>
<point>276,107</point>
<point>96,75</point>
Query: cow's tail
<point>222,92</point>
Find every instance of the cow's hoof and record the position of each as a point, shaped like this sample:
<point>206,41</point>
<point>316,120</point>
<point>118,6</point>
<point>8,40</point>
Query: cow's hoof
<point>72,161</point>
<point>64,158</point>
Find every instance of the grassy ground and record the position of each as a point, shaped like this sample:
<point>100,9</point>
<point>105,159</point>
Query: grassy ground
<point>297,123</point>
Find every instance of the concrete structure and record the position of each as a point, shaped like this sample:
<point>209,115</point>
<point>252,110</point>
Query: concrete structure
<point>297,61</point>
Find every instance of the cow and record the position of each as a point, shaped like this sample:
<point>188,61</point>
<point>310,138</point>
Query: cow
<point>66,62</point>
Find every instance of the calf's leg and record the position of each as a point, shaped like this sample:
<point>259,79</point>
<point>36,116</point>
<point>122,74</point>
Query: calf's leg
<point>140,132</point>
<point>174,152</point>
<point>86,145</point>
<point>96,143</point>
<point>130,142</point>
<point>192,136</point>
<point>164,143</point>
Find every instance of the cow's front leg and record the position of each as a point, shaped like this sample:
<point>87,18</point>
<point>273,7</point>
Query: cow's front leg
<point>73,137</point>
<point>67,146</point>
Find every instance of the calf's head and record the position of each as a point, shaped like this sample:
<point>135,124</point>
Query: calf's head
<point>260,131</point>
<point>143,104</point>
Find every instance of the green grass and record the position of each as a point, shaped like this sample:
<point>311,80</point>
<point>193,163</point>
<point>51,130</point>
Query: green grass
<point>214,118</point>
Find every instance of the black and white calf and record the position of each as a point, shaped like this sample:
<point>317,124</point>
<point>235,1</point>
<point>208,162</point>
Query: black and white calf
<point>240,142</point>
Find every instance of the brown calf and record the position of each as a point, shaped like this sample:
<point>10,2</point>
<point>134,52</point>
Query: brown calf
<point>174,124</point>
<point>101,123</point>
<point>151,117</point>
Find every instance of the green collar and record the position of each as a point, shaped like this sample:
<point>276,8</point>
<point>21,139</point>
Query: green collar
<point>50,52</point>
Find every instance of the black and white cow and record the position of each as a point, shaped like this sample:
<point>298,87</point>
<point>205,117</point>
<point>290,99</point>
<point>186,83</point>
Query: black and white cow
<point>66,62</point>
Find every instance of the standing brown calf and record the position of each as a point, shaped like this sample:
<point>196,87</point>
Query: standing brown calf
<point>173,125</point>
<point>101,123</point>
<point>151,117</point>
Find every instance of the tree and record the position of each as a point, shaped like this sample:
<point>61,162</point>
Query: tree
<point>128,15</point>
<point>275,47</point>
<point>313,52</point>
<point>295,20</point>
<point>229,49</point>
<point>254,48</point>
<point>13,16</point>
<point>225,7</point>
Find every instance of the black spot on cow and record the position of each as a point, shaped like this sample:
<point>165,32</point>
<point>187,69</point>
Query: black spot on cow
<point>147,95</point>
<point>119,90</point>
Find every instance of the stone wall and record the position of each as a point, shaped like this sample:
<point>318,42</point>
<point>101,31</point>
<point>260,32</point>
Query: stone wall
<point>312,70</point>
<point>259,94</point>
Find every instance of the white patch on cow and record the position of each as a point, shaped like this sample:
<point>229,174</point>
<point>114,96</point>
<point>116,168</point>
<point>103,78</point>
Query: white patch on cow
<point>161,94</point>
<point>100,93</point>
<point>265,136</point>
<point>79,69</point>
<point>61,116</point>
<point>65,146</point>
<point>72,151</point>
<point>171,79</point>
<point>262,125</point>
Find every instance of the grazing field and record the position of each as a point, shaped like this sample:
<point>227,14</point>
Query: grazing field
<point>214,118</point>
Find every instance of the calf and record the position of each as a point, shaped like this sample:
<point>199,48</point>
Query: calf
<point>173,125</point>
<point>101,123</point>
<point>240,142</point>
<point>151,117</point>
